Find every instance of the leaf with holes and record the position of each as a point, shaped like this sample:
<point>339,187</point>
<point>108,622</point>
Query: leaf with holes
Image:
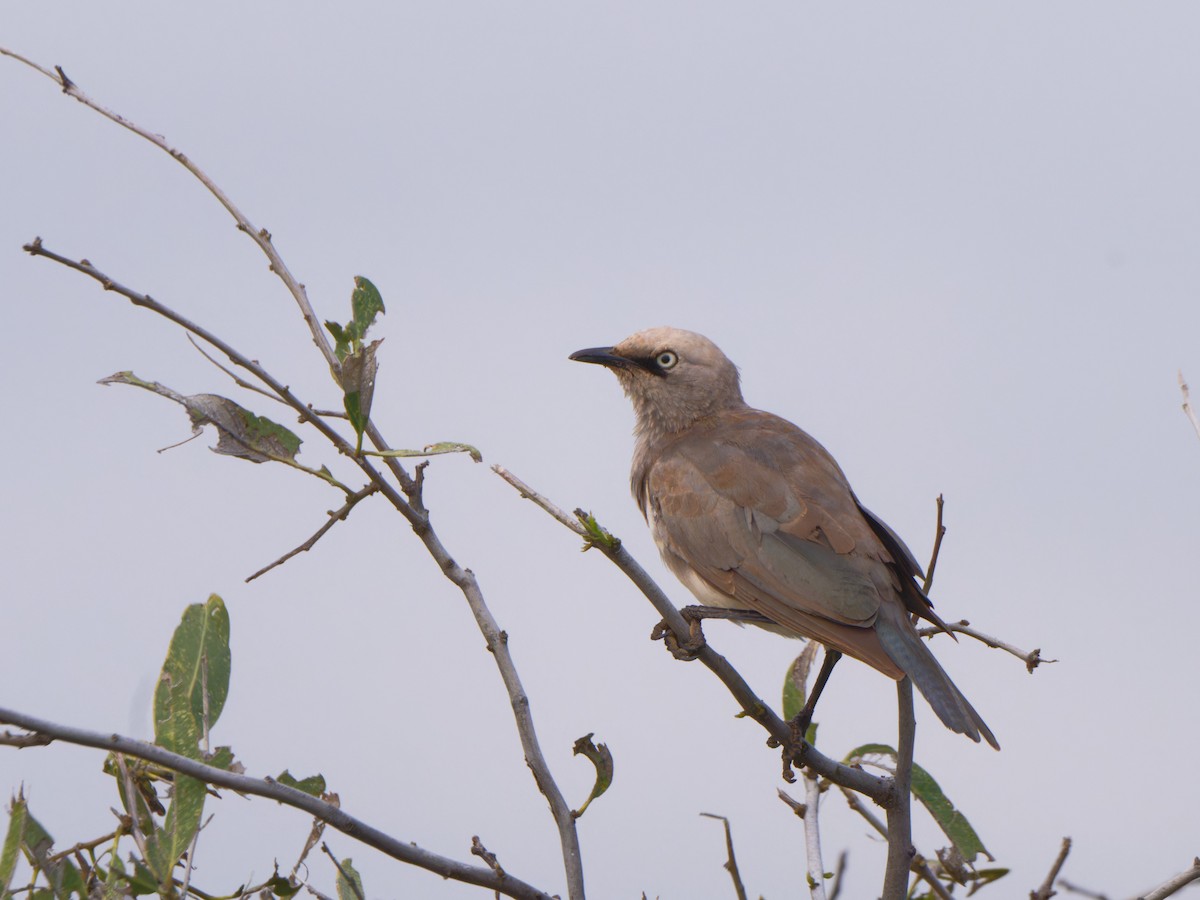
<point>365,304</point>
<point>349,882</point>
<point>602,759</point>
<point>240,432</point>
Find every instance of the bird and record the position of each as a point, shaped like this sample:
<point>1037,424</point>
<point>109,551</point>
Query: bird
<point>751,513</point>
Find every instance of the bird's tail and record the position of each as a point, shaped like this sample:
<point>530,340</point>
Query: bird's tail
<point>902,643</point>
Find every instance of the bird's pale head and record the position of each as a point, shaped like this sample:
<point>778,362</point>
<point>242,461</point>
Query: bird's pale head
<point>674,377</point>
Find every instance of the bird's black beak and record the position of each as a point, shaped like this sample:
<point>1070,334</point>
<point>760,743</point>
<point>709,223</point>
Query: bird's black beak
<point>601,356</point>
<point>604,356</point>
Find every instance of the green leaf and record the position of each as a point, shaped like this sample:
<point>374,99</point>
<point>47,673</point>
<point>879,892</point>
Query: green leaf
<point>349,882</point>
<point>168,844</point>
<point>365,305</point>
<point>142,881</point>
<point>118,884</point>
<point>240,432</point>
<point>793,693</point>
<point>341,339</point>
<point>62,875</point>
<point>313,785</point>
<point>194,682</point>
<point>869,750</point>
<point>987,876</point>
<point>281,887</point>
<point>602,759</point>
<point>12,842</point>
<point>795,688</point>
<point>952,822</point>
<point>221,758</point>
<point>596,533</point>
<point>190,695</point>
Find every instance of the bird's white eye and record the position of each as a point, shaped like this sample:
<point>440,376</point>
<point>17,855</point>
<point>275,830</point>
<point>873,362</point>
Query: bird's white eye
<point>666,359</point>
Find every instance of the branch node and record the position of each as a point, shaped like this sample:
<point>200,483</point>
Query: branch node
<point>477,849</point>
<point>67,83</point>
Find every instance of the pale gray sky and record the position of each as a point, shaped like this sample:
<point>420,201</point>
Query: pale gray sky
<point>957,243</point>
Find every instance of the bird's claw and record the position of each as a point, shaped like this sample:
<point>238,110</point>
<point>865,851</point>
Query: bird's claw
<point>799,727</point>
<point>687,649</point>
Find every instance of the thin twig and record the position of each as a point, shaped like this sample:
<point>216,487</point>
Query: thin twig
<point>1187,404</point>
<point>899,815</point>
<point>128,791</point>
<point>731,865</point>
<point>836,890</point>
<point>335,516</point>
<point>1172,885</point>
<point>1031,658</point>
<point>1046,891</point>
<point>403,851</point>
<point>88,845</point>
<point>878,789</point>
<point>8,739</point>
<point>1071,888</point>
<point>939,533</point>
<point>234,376</point>
<point>812,837</point>
<point>260,236</point>
<point>353,882</point>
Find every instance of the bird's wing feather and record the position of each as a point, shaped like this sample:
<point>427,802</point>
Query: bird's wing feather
<point>771,524</point>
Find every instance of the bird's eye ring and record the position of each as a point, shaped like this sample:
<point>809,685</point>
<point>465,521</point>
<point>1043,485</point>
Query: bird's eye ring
<point>667,359</point>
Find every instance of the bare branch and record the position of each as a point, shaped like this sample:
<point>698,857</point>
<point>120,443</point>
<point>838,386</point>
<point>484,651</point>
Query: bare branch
<point>335,516</point>
<point>878,789</point>
<point>899,815</point>
<point>260,236</point>
<point>1173,885</point>
<point>1046,891</point>
<point>731,865</point>
<point>1031,658</point>
<point>403,851</point>
<point>1187,404</point>
<point>812,837</point>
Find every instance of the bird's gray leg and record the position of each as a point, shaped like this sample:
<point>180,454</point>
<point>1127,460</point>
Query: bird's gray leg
<point>688,648</point>
<point>804,717</point>
<point>696,613</point>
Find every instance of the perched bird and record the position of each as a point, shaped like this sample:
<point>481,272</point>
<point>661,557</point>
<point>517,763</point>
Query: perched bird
<point>751,513</point>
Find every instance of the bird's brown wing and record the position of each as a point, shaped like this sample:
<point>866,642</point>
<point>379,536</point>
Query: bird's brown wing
<point>762,513</point>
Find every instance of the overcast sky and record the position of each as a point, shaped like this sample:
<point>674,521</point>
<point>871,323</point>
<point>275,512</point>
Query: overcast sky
<point>957,243</point>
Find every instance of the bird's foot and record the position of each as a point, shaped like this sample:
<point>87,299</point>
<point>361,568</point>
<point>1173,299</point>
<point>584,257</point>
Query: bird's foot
<point>802,728</point>
<point>686,649</point>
